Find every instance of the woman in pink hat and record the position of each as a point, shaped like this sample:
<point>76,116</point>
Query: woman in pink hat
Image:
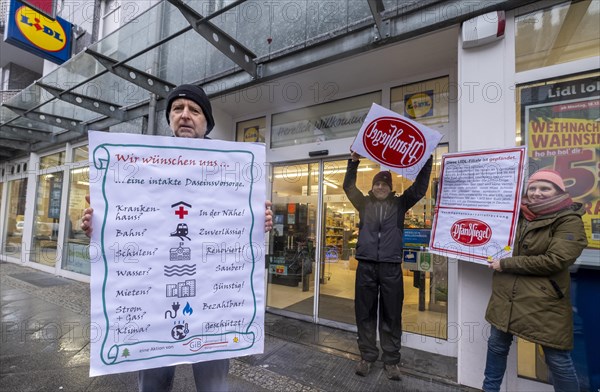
<point>531,290</point>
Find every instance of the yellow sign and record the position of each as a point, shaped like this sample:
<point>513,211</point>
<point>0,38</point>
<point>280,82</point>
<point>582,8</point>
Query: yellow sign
<point>418,105</point>
<point>563,133</point>
<point>251,134</point>
<point>43,32</point>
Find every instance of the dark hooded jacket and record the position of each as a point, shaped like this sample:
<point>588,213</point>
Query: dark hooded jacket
<point>531,296</point>
<point>381,224</point>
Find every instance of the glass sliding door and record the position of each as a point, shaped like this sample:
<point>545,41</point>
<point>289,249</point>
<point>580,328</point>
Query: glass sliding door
<point>15,219</point>
<point>291,256</point>
<point>47,214</point>
<point>44,243</point>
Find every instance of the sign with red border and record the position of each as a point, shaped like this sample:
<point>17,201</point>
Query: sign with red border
<point>477,210</point>
<point>396,142</point>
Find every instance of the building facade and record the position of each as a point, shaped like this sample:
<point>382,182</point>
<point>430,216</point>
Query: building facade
<point>300,77</point>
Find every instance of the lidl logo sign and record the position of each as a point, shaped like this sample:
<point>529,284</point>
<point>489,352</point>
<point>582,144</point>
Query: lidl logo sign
<point>418,105</point>
<point>45,33</point>
<point>32,31</point>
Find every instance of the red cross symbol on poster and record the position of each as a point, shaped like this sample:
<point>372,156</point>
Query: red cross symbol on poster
<point>181,212</point>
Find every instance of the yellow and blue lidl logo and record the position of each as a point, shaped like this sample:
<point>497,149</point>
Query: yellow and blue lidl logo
<point>419,105</point>
<point>34,32</point>
<point>43,32</point>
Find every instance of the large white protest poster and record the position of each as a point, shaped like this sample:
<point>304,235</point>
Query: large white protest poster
<point>477,207</point>
<point>177,251</point>
<point>398,143</point>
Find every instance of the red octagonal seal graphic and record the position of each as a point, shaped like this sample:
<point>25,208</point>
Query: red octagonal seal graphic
<point>394,142</point>
<point>471,232</point>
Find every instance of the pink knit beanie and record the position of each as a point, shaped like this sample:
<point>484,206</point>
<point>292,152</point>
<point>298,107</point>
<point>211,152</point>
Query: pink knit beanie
<point>549,176</point>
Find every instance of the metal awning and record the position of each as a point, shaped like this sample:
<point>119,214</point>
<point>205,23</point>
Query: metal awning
<point>117,79</point>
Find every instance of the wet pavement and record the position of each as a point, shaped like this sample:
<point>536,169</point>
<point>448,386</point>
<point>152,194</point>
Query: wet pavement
<point>45,335</point>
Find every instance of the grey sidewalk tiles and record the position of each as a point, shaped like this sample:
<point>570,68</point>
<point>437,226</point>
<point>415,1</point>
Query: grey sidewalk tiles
<point>45,334</point>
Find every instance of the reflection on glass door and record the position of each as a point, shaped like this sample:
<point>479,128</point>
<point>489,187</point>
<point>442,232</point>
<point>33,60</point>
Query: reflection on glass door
<point>291,256</point>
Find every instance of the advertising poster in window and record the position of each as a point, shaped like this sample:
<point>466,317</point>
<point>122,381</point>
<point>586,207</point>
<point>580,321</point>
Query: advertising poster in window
<point>561,125</point>
<point>478,204</point>
<point>177,251</point>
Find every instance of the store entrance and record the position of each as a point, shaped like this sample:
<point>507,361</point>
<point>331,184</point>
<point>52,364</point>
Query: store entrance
<point>311,265</point>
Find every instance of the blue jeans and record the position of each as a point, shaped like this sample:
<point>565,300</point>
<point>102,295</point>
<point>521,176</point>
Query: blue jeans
<point>562,371</point>
<point>209,376</point>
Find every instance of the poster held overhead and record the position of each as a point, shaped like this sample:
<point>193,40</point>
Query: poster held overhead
<point>396,142</point>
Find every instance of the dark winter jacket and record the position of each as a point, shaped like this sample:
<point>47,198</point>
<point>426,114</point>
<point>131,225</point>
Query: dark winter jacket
<point>531,296</point>
<point>381,222</point>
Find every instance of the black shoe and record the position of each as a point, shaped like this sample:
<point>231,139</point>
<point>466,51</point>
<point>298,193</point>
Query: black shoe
<point>363,368</point>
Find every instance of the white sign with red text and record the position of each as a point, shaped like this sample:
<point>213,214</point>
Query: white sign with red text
<point>478,202</point>
<point>396,142</point>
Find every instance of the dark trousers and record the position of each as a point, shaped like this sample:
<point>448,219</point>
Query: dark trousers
<point>379,284</point>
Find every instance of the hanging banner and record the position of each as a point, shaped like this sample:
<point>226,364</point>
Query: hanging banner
<point>478,204</point>
<point>177,251</point>
<point>563,134</point>
<point>396,142</point>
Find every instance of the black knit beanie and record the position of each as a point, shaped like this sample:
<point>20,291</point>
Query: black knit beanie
<point>196,94</point>
<point>384,176</point>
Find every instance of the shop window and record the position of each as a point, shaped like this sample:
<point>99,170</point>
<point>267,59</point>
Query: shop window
<point>559,124</point>
<point>251,130</point>
<point>15,218</point>
<point>329,121</point>
<point>80,154</point>
<point>75,256</point>
<point>425,102</point>
<point>52,160</point>
<point>558,120</point>
<point>559,34</point>
<point>46,219</point>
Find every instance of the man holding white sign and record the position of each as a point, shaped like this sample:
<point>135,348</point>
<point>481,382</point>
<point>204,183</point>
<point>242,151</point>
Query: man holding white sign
<point>405,147</point>
<point>189,115</point>
<point>379,281</point>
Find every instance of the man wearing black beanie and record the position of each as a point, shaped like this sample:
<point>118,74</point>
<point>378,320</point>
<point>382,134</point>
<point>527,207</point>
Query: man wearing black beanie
<point>379,286</point>
<point>189,114</point>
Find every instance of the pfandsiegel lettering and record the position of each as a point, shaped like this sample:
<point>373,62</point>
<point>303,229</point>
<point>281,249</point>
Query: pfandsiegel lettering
<point>394,142</point>
<point>471,232</point>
